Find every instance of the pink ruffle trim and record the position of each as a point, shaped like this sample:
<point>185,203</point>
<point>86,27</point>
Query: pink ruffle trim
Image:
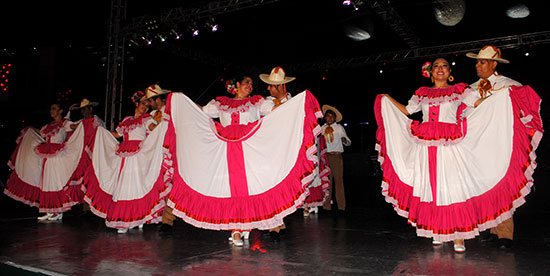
<point>46,149</point>
<point>51,129</point>
<point>130,123</point>
<point>128,148</point>
<point>465,220</point>
<point>235,132</point>
<point>231,105</point>
<point>47,202</point>
<point>436,96</point>
<point>318,195</point>
<point>263,211</point>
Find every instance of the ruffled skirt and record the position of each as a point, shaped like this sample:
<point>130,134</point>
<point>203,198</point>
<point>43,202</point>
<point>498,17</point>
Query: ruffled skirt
<point>319,188</point>
<point>43,173</point>
<point>245,179</point>
<point>455,190</point>
<point>128,190</point>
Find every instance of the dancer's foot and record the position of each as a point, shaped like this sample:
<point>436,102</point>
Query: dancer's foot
<point>57,216</point>
<point>236,238</point>
<point>459,246</point>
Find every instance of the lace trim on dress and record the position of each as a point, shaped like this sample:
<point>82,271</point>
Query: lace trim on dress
<point>437,96</point>
<point>230,105</point>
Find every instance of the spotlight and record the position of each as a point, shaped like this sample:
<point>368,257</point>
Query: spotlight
<point>147,40</point>
<point>346,2</point>
<point>175,34</point>
<point>453,63</point>
<point>211,24</point>
<point>162,38</point>
<point>193,29</point>
<point>526,54</point>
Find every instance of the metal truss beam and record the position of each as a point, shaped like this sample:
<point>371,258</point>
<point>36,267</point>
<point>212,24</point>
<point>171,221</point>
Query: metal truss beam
<point>507,42</point>
<point>115,65</point>
<point>201,56</point>
<point>394,21</point>
<point>181,15</point>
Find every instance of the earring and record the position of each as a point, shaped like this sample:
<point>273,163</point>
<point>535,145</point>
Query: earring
<point>432,78</point>
<point>451,78</point>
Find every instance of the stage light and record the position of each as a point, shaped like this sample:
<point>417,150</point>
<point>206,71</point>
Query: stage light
<point>175,34</point>
<point>453,63</point>
<point>211,25</point>
<point>346,2</point>
<point>193,29</point>
<point>148,41</point>
<point>526,54</point>
<point>161,37</point>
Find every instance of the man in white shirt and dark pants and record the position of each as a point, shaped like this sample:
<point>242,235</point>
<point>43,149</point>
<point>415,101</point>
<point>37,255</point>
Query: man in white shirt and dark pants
<point>335,138</point>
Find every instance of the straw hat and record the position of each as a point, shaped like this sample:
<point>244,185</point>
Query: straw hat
<point>155,90</point>
<point>488,52</point>
<point>276,77</point>
<point>85,102</point>
<point>327,107</point>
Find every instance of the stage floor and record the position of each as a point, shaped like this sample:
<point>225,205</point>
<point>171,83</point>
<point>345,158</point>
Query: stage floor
<point>370,241</point>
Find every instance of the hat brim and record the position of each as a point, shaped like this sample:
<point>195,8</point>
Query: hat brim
<point>90,104</point>
<point>472,55</point>
<point>265,78</point>
<point>327,107</point>
<point>161,93</point>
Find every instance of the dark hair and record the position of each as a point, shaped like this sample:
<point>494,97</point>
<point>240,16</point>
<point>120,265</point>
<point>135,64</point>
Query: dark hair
<point>62,107</point>
<point>330,112</point>
<point>163,97</point>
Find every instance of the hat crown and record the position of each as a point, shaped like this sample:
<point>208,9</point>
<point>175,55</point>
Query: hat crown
<point>154,90</point>
<point>489,52</point>
<point>277,74</point>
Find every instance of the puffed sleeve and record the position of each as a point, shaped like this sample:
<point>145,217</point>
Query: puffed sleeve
<point>212,109</point>
<point>67,126</point>
<point>414,105</point>
<point>266,106</point>
<point>472,97</point>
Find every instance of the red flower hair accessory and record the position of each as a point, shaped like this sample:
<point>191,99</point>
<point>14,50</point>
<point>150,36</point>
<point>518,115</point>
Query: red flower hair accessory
<point>427,69</point>
<point>231,86</point>
<point>136,97</point>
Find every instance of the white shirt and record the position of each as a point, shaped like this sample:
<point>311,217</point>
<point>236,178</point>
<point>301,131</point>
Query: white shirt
<point>336,145</point>
<point>498,83</point>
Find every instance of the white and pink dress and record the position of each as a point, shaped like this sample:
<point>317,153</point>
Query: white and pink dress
<point>319,188</point>
<point>127,182</point>
<point>44,165</point>
<point>247,171</point>
<point>453,176</point>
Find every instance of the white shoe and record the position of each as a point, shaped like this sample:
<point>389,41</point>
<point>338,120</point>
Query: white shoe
<point>314,210</point>
<point>306,212</point>
<point>245,235</point>
<point>122,230</point>
<point>45,217</point>
<point>140,227</point>
<point>236,242</point>
<point>57,216</point>
<point>460,248</point>
<point>436,242</point>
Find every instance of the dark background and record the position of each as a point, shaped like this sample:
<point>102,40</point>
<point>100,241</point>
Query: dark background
<point>57,51</point>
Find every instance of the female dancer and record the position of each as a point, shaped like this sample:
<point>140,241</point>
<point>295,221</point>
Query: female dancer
<point>126,182</point>
<point>453,175</point>
<point>247,171</point>
<point>442,125</point>
<point>43,164</point>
